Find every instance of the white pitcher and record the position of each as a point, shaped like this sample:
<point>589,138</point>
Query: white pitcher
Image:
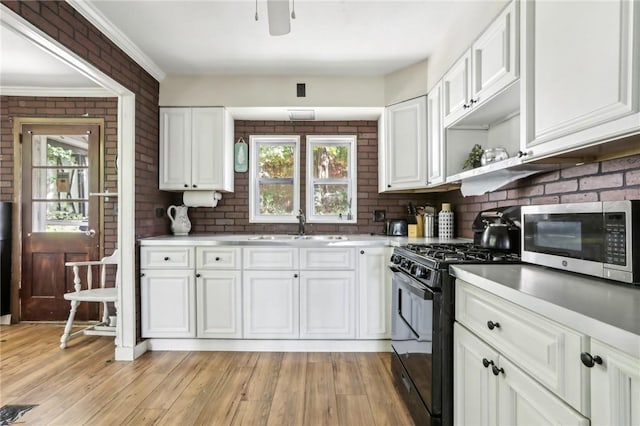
<point>180,223</point>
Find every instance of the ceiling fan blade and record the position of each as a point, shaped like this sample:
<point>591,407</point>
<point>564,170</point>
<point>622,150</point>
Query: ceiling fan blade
<point>279,23</point>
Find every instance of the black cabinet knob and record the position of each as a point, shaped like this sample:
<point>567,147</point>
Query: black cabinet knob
<point>361,251</point>
<point>473,101</point>
<point>466,106</point>
<point>388,186</point>
<point>195,186</point>
<point>142,275</point>
<point>166,258</point>
<point>589,361</point>
<point>486,362</point>
<point>521,154</point>
<point>295,275</point>
<point>198,275</point>
<point>186,186</point>
<point>496,371</point>
<point>493,325</point>
<point>217,259</point>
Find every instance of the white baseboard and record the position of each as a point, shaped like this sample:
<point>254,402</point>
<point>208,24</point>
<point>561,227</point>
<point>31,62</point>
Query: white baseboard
<point>130,354</point>
<point>269,345</point>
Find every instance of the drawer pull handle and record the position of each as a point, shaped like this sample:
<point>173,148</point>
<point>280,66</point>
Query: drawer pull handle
<point>166,258</point>
<point>217,259</point>
<point>198,275</point>
<point>589,361</point>
<point>493,325</point>
<point>361,251</point>
<point>497,371</point>
<point>486,362</point>
<point>295,275</point>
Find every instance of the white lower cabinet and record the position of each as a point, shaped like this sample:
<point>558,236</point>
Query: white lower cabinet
<point>271,304</point>
<point>326,305</point>
<point>491,390</point>
<point>219,304</point>
<point>167,298</point>
<point>615,387</point>
<point>374,287</point>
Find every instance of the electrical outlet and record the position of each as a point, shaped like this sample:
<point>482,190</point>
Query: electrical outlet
<point>379,215</point>
<point>159,211</point>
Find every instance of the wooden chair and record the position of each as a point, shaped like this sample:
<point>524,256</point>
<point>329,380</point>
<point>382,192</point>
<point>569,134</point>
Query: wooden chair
<point>85,292</point>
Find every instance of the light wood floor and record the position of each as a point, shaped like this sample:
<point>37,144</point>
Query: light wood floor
<point>83,385</point>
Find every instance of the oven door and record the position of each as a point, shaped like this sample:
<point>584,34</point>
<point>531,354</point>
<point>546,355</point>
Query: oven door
<point>414,325</point>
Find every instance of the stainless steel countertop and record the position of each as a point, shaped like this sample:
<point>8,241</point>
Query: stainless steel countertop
<point>598,308</point>
<point>352,240</point>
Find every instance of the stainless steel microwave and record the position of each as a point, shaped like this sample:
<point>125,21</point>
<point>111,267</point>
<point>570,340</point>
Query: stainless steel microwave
<point>599,238</point>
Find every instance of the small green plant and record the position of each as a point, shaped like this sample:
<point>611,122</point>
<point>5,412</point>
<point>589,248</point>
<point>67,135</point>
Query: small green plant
<point>473,160</point>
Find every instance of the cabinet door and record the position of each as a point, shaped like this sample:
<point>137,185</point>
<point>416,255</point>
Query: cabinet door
<point>326,305</point>
<point>374,287</point>
<point>579,86</point>
<point>435,136</point>
<point>175,148</point>
<point>210,150</point>
<point>456,90</point>
<point>271,304</point>
<point>167,299</point>
<point>219,304</point>
<point>523,401</point>
<point>615,387</point>
<point>495,56</point>
<point>475,385</point>
<point>406,145</point>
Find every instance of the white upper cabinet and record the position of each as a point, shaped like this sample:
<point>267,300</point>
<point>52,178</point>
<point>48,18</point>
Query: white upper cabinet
<point>489,66</point>
<point>581,74</point>
<point>405,146</point>
<point>196,149</point>
<point>435,136</point>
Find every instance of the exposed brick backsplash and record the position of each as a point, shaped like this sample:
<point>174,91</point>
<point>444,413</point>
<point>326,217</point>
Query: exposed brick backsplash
<point>610,180</point>
<point>605,181</point>
<point>232,213</point>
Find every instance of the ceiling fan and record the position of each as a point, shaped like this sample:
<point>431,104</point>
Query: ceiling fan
<point>278,12</point>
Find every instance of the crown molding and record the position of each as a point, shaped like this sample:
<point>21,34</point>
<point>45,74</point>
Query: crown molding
<point>67,92</point>
<point>93,15</point>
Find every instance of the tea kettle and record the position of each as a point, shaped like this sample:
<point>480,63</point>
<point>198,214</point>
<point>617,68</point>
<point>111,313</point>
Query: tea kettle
<point>180,223</point>
<point>498,229</point>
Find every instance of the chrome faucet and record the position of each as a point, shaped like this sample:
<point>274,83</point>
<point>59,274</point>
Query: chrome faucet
<point>301,221</point>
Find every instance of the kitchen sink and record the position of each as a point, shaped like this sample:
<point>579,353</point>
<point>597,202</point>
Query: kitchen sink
<point>299,237</point>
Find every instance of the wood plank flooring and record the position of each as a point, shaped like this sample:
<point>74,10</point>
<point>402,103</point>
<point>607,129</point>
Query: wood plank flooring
<point>83,385</point>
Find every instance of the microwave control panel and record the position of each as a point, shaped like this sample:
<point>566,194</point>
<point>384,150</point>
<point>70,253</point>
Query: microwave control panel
<point>615,243</point>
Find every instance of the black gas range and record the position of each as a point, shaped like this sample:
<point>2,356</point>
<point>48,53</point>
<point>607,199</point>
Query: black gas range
<point>422,323</point>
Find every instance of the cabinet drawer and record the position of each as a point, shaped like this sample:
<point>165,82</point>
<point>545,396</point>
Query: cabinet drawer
<point>270,258</point>
<point>166,257</point>
<point>546,350</point>
<point>218,258</point>
<point>327,258</point>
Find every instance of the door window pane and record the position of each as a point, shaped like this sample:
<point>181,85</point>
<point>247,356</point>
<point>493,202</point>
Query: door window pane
<point>60,183</point>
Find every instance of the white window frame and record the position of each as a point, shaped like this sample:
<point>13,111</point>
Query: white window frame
<point>254,187</point>
<point>351,141</point>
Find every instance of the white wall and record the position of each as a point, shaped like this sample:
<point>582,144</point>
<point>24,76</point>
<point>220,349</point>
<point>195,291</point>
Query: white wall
<point>406,83</point>
<point>271,91</point>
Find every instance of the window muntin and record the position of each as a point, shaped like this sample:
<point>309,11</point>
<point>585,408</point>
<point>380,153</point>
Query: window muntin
<point>274,183</point>
<point>331,179</point>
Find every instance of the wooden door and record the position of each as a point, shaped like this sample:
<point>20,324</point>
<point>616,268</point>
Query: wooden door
<point>60,221</point>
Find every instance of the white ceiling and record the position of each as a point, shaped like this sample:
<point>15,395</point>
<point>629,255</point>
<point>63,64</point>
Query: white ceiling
<point>347,37</point>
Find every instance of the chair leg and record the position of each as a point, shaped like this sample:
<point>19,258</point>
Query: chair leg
<point>105,313</point>
<point>69,325</point>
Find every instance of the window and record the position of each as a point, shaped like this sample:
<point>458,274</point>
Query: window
<point>331,179</point>
<point>274,184</point>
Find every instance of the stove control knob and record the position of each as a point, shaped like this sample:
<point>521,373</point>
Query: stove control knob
<point>406,264</point>
<point>395,259</point>
<point>420,272</point>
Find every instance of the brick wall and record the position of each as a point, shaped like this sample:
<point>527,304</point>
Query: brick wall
<point>61,22</point>
<point>232,213</point>
<point>610,180</point>
<point>59,107</point>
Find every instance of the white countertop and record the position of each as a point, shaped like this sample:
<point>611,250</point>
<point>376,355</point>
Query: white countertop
<point>355,240</point>
<point>598,308</point>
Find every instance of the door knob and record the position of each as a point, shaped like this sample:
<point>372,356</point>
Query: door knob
<point>90,233</point>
